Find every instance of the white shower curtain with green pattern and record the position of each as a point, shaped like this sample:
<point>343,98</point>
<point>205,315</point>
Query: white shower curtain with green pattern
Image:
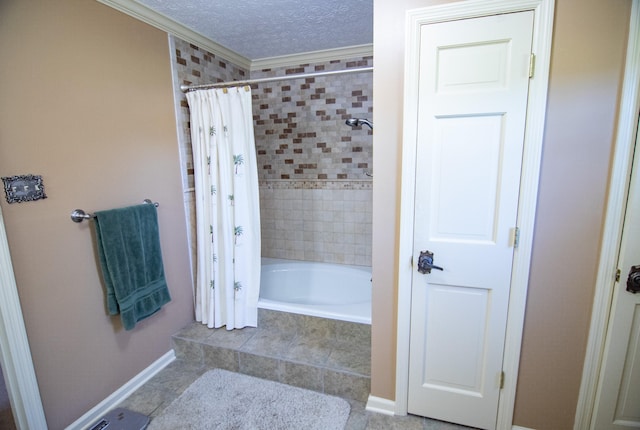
<point>227,207</point>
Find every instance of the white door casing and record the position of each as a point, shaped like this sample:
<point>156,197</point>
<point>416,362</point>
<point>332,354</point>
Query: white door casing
<point>15,354</point>
<point>541,46</point>
<point>474,77</point>
<point>611,237</point>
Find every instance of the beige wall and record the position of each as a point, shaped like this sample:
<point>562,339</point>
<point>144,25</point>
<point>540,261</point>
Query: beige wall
<point>86,102</point>
<point>388,53</point>
<point>586,72</point>
<point>587,66</point>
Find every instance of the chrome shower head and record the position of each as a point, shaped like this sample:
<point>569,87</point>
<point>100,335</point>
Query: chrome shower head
<point>356,122</point>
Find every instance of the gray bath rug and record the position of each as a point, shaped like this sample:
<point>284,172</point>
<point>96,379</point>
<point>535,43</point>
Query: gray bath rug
<point>225,400</point>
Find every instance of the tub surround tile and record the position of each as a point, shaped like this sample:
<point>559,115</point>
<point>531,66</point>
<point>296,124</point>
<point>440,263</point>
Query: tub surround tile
<point>322,328</point>
<point>299,125</point>
<point>354,332</point>
<point>312,167</point>
<point>216,357</point>
<point>259,366</point>
<point>303,376</point>
<point>351,357</point>
<point>195,331</point>
<point>310,350</point>
<point>187,349</point>
<point>300,350</point>
<point>270,343</point>
<point>280,321</point>
<point>347,385</point>
<point>230,338</point>
<point>331,224</point>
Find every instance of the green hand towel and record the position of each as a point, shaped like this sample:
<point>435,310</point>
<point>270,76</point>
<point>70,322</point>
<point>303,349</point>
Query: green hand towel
<point>131,261</point>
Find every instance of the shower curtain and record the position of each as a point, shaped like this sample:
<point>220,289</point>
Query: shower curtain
<point>227,207</point>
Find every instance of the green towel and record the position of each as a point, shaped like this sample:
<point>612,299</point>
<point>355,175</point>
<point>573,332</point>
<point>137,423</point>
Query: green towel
<point>131,260</point>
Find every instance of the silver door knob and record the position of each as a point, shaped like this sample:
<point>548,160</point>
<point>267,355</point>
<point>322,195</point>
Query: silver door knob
<point>425,262</point>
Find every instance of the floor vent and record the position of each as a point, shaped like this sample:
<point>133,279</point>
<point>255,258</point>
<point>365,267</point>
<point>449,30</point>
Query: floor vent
<point>121,419</point>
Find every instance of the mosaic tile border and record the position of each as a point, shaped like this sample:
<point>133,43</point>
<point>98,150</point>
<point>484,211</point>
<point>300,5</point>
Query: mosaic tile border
<point>275,184</point>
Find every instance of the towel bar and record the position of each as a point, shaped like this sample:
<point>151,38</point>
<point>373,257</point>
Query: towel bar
<point>78,215</point>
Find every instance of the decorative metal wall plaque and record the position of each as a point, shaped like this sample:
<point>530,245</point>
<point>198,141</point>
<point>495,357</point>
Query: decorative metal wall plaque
<point>23,188</point>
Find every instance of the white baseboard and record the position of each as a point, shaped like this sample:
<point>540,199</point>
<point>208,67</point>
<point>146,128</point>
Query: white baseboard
<point>122,393</point>
<point>520,428</point>
<point>380,405</point>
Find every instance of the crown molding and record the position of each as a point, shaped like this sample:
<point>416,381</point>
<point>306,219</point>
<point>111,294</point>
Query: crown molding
<point>162,22</point>
<point>313,57</point>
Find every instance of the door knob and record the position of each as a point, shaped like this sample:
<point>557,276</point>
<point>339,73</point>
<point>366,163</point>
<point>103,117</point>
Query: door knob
<point>425,262</point>
<point>633,281</point>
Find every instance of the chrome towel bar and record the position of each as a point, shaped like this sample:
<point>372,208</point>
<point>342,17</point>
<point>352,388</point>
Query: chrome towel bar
<point>78,215</point>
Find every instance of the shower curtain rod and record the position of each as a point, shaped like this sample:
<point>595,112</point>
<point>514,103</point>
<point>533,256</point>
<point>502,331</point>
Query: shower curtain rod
<point>186,88</point>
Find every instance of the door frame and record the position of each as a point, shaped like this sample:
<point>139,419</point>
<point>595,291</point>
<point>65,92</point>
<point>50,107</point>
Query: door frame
<point>627,140</point>
<point>15,355</point>
<point>533,138</point>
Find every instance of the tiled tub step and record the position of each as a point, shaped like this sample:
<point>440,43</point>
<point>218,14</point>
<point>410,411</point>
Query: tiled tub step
<point>329,356</point>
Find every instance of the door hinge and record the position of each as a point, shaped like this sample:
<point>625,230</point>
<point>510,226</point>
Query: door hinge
<point>501,382</point>
<point>532,65</point>
<point>618,275</point>
<point>515,237</point>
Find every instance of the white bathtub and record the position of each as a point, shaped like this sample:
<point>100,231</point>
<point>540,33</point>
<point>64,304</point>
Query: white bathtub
<point>317,289</point>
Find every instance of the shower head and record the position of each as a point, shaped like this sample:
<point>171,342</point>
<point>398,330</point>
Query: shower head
<point>356,122</point>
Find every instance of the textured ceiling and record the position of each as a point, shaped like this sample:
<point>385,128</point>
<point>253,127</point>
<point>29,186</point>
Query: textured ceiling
<point>259,29</point>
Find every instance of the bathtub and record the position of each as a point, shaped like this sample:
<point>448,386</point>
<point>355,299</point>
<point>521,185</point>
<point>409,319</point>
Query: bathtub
<point>324,290</point>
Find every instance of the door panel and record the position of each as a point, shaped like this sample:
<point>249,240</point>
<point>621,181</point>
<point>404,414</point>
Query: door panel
<point>487,72</point>
<point>618,394</point>
<point>629,393</point>
<point>478,158</point>
<point>470,135</point>
<point>455,356</point>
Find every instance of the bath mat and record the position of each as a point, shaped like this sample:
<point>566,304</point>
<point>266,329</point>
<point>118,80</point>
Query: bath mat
<point>225,400</point>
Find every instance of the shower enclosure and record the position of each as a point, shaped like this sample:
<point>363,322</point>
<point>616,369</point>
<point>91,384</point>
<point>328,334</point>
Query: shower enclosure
<point>315,194</point>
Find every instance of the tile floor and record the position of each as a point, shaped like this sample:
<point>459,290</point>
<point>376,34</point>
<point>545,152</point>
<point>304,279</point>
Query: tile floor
<point>329,356</point>
<point>168,384</point>
<point>323,355</point>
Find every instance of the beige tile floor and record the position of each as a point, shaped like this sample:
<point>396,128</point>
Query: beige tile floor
<point>168,384</point>
<point>312,353</point>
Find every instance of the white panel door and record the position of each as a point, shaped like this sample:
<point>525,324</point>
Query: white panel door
<point>474,77</point>
<point>618,395</point>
